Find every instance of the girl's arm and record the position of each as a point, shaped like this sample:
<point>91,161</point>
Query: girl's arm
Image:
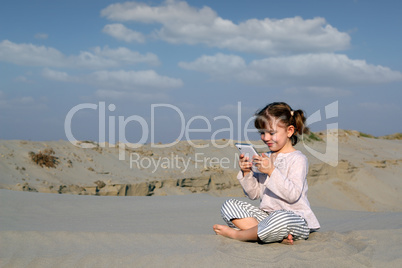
<point>288,182</point>
<point>250,185</point>
<point>247,178</point>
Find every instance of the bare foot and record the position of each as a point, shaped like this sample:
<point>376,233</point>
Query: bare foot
<point>225,231</point>
<point>288,240</point>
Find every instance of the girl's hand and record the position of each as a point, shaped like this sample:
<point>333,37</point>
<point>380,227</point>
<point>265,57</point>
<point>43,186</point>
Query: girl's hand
<point>264,163</point>
<point>245,164</point>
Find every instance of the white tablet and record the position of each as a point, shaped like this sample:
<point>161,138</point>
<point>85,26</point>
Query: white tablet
<point>249,151</point>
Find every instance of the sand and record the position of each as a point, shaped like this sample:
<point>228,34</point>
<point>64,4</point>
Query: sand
<point>358,204</point>
<point>48,230</point>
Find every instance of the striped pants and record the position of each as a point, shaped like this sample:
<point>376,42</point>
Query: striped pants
<point>272,227</point>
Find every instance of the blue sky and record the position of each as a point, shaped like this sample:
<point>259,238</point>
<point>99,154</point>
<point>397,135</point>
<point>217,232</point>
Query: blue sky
<point>197,60</point>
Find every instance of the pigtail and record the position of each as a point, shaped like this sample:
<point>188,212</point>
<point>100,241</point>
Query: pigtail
<point>300,122</point>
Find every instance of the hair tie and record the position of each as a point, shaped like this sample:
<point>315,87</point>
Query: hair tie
<point>291,113</point>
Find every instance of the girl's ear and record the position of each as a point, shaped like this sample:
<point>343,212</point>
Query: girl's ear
<point>291,130</point>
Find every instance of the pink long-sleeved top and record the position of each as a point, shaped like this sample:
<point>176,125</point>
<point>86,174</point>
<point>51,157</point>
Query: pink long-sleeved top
<point>286,188</point>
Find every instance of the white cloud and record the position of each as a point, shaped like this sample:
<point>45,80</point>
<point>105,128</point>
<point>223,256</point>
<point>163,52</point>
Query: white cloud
<point>20,103</point>
<point>321,69</point>
<point>217,65</point>
<point>130,96</point>
<point>23,79</point>
<point>134,80</point>
<point>309,70</point>
<point>41,36</point>
<point>98,58</point>
<point>56,75</point>
<point>30,55</point>
<point>329,91</point>
<point>322,92</point>
<point>119,31</point>
<point>182,23</point>
<point>126,56</point>
<point>122,80</point>
<point>106,58</point>
<point>170,11</point>
<point>26,100</point>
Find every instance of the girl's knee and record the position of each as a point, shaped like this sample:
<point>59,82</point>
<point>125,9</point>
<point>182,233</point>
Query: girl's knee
<point>279,224</point>
<point>228,203</point>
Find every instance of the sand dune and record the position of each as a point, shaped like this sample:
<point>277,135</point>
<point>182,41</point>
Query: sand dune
<point>160,214</point>
<point>367,176</point>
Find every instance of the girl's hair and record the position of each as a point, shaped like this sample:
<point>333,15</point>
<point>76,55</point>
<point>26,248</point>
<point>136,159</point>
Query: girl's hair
<point>280,111</point>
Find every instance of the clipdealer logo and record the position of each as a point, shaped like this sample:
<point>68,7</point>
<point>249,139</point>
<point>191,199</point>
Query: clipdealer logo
<point>148,130</point>
<point>330,156</point>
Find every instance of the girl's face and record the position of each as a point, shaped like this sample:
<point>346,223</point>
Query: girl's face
<point>277,137</point>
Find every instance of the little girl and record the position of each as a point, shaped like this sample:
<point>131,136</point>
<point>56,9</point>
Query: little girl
<point>284,214</point>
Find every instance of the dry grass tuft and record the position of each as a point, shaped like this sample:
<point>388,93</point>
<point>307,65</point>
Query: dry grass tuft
<point>45,158</point>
